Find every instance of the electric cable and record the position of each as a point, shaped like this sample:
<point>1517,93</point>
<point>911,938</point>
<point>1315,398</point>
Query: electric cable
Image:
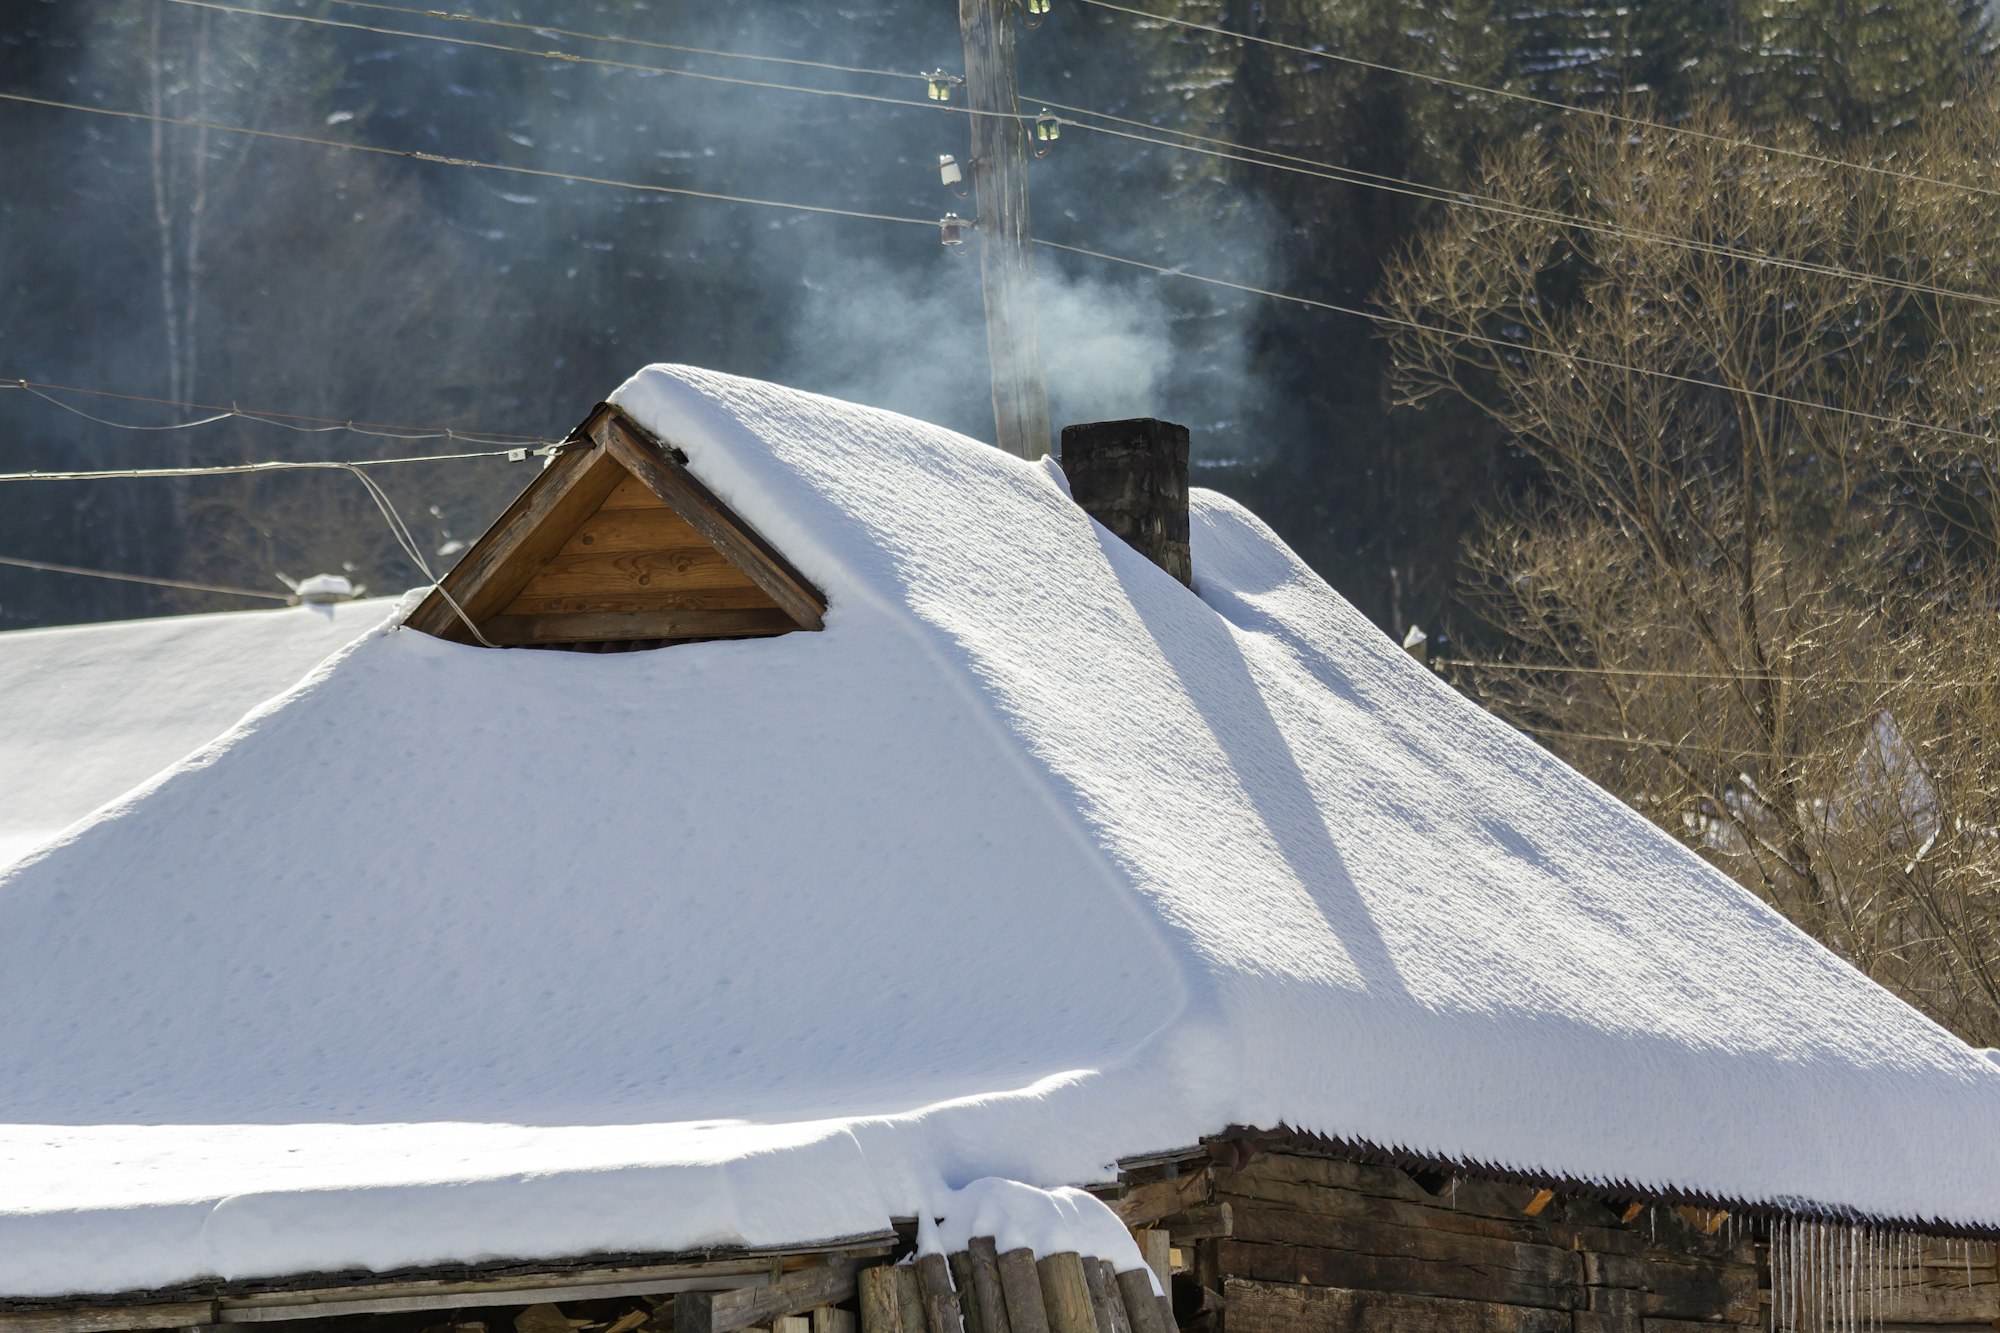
<point>1298,166</point>
<point>282,420</point>
<point>626,41</point>
<point>1376,317</point>
<point>1574,358</point>
<point>442,160</point>
<point>1566,108</point>
<point>48,567</point>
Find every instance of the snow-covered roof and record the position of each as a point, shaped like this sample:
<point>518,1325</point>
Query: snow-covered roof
<point>89,712</point>
<point>1032,860</point>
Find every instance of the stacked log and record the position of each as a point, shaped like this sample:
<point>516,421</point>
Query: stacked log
<point>980,1290</point>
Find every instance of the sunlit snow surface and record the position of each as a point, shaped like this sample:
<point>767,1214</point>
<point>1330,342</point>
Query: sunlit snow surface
<point>1030,861</point>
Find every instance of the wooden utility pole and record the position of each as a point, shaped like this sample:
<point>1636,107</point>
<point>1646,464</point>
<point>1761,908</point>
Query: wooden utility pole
<point>1000,198</point>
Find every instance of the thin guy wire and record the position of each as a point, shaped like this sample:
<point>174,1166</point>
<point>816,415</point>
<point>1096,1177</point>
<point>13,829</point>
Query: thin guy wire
<point>1574,358</point>
<point>46,567</point>
<point>408,541</point>
<point>282,420</point>
<point>628,41</point>
<point>473,163</point>
<point>1646,673</point>
<point>1565,107</point>
<point>572,58</point>
<point>1440,194</point>
<point>1373,316</point>
<point>1325,171</point>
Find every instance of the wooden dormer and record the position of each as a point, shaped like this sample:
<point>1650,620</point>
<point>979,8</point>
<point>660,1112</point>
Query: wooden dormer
<point>617,545</point>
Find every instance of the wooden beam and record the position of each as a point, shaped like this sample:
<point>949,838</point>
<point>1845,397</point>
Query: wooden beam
<point>684,493</point>
<point>532,529</point>
<point>727,1311</point>
<point>1269,1307</point>
<point>610,626</point>
<point>109,1318</point>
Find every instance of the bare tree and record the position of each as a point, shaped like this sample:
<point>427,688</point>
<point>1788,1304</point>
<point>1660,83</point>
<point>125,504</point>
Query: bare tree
<point>1754,593</point>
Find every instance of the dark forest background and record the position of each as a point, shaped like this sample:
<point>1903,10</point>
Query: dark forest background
<point>203,266</point>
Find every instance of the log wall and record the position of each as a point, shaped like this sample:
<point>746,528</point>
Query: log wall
<point>1293,1241</point>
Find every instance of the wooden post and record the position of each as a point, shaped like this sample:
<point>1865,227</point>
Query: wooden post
<point>1142,1306</point>
<point>1066,1294</point>
<point>940,1301</point>
<point>1110,1306</point>
<point>881,1303</point>
<point>1022,1287</point>
<point>987,1291</point>
<point>1000,195</point>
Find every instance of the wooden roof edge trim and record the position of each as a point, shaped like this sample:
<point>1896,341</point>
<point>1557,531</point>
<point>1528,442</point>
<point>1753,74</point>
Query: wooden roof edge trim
<point>492,552</point>
<point>1238,1144</point>
<point>313,1295</point>
<point>664,471</point>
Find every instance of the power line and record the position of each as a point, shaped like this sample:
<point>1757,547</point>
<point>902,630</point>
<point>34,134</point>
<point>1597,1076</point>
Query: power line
<point>283,420</point>
<point>1452,198</point>
<point>1566,108</point>
<point>1376,317</point>
<point>46,567</point>
<point>1574,358</point>
<point>572,58</point>
<point>304,465</point>
<point>629,41</point>
<point>1306,166</point>
<point>1741,677</point>
<point>440,159</point>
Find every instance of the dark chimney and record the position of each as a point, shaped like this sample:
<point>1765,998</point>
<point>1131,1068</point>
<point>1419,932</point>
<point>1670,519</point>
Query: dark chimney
<point>1131,476</point>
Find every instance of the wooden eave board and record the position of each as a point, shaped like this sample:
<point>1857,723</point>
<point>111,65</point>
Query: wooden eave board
<point>619,542</point>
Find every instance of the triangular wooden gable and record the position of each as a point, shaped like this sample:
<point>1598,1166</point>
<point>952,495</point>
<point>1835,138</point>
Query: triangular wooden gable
<point>616,543</point>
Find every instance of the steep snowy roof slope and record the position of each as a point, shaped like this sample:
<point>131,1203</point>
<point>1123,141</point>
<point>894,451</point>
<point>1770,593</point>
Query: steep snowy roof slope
<point>89,712</point>
<point>1033,859</point>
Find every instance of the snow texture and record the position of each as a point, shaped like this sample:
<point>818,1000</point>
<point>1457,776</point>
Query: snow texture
<point>1019,1216</point>
<point>92,711</point>
<point>1032,860</point>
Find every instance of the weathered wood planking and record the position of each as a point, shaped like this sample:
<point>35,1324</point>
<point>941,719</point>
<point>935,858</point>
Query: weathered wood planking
<point>635,527</point>
<point>598,574</point>
<point>1467,1268</point>
<point>615,534</point>
<point>1270,1307</point>
<point>722,529</point>
<point>530,630</point>
<point>533,528</point>
<point>673,599</point>
<point>725,1312</point>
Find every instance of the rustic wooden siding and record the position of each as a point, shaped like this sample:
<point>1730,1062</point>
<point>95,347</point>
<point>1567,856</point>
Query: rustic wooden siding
<point>1301,1241</point>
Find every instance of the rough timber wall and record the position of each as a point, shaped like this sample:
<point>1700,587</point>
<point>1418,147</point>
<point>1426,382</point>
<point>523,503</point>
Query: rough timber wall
<point>1278,1240</point>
